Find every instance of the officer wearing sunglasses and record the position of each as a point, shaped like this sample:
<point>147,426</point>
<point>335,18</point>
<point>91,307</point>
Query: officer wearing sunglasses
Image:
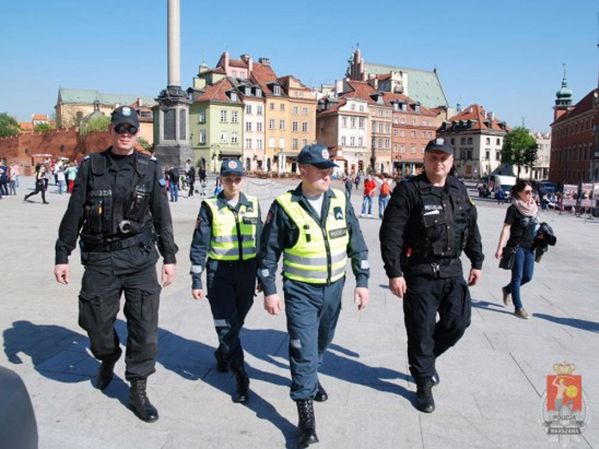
<point>119,211</point>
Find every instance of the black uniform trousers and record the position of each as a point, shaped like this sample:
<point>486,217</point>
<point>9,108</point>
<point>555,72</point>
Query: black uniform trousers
<point>99,303</point>
<point>231,286</point>
<point>427,337</point>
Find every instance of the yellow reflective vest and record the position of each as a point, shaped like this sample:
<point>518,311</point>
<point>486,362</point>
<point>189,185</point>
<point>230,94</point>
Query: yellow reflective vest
<point>233,233</point>
<point>320,254</point>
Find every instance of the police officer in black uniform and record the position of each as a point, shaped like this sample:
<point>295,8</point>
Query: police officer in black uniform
<point>225,243</point>
<point>429,221</point>
<point>119,209</point>
<point>316,230</point>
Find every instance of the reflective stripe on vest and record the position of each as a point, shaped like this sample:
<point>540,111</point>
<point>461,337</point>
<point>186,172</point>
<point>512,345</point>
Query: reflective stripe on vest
<point>320,254</point>
<point>233,234</point>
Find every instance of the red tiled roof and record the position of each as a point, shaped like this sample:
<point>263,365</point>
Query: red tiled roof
<point>476,114</point>
<point>215,92</point>
<point>262,75</point>
<point>237,63</point>
<point>392,96</point>
<point>40,117</point>
<point>332,109</point>
<point>361,90</point>
<point>582,106</point>
<point>26,126</point>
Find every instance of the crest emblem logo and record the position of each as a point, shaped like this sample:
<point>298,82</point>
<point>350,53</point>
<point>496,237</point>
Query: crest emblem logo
<point>325,153</point>
<point>232,164</point>
<point>439,141</point>
<point>126,111</point>
<point>564,413</point>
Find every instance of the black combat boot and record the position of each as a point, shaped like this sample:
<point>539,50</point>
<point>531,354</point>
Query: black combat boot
<point>242,385</point>
<point>106,372</point>
<point>307,423</point>
<point>321,394</point>
<point>139,402</point>
<point>221,365</point>
<point>424,396</point>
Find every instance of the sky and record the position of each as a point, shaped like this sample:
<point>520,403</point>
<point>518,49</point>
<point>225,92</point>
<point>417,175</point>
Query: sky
<point>506,56</point>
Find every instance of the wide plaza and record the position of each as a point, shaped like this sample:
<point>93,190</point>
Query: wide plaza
<point>492,383</point>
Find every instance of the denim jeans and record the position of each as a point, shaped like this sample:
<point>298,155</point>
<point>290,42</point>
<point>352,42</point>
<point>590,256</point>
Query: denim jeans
<point>522,271</point>
<point>174,188</point>
<point>61,187</point>
<point>383,201</point>
<point>367,205</point>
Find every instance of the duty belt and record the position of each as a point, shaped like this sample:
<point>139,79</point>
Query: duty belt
<point>435,268</point>
<point>114,245</point>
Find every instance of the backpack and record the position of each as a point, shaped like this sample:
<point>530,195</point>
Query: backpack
<point>385,189</point>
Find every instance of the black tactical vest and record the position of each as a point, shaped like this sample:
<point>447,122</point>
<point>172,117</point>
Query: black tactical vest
<point>109,217</point>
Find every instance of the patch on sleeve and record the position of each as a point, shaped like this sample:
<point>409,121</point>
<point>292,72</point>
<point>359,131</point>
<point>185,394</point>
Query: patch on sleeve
<point>265,272</point>
<point>364,265</point>
<point>162,182</point>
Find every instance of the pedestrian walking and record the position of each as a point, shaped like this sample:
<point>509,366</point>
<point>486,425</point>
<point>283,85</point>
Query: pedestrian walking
<point>384,195</point>
<point>224,244</point>
<point>315,228</point>
<point>516,241</point>
<point>369,190</point>
<point>40,186</point>
<point>428,222</point>
<point>191,179</point>
<point>119,210</point>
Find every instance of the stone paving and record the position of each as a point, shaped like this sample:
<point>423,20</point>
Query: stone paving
<point>492,382</point>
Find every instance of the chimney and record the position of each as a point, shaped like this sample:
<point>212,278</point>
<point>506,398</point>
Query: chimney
<point>139,102</point>
<point>264,61</point>
<point>338,87</point>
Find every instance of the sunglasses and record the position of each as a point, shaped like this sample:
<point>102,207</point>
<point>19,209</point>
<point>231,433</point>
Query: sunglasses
<point>122,129</point>
<point>527,191</point>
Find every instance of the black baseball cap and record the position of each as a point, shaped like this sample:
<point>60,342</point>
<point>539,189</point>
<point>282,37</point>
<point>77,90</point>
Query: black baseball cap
<point>124,115</point>
<point>439,144</point>
<point>231,167</point>
<point>317,155</point>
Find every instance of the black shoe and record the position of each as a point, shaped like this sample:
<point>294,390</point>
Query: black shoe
<point>435,378</point>
<point>221,365</point>
<point>321,394</point>
<point>139,402</point>
<point>424,396</point>
<point>307,423</point>
<point>105,373</point>
<point>242,386</point>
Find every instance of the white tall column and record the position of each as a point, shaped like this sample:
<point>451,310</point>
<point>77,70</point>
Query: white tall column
<point>174,43</point>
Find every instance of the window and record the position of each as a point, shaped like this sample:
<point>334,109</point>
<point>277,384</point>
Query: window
<point>248,144</point>
<point>271,142</point>
<point>498,141</point>
<point>498,155</point>
<point>360,141</point>
<point>281,124</point>
<point>361,123</point>
<point>295,144</point>
<point>353,107</point>
<point>387,143</point>
<point>223,116</point>
<point>488,141</point>
<point>352,141</point>
<point>272,106</point>
<point>295,126</point>
<point>276,90</point>
<point>248,126</point>
<point>352,122</point>
<point>305,111</point>
<point>469,142</point>
<point>304,142</point>
<point>259,127</point>
<point>234,137</point>
<point>344,122</point>
<point>248,108</point>
<point>305,127</point>
<point>395,132</point>
<point>271,123</point>
<point>487,155</point>
<point>259,144</point>
<point>452,141</point>
<point>233,96</point>
<point>258,92</point>
<point>387,128</point>
<point>295,110</point>
<point>282,143</point>
<point>234,116</point>
<point>414,121</point>
<point>282,107</point>
<point>259,110</point>
<point>402,148</point>
<point>202,136</point>
<point>223,137</point>
<point>202,116</point>
<point>413,133</point>
<point>463,141</point>
<point>342,141</point>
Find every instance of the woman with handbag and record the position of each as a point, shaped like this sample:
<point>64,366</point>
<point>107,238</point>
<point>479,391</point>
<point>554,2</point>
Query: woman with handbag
<point>515,248</point>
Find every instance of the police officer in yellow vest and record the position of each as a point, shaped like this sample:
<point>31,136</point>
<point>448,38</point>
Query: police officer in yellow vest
<point>227,234</point>
<point>315,228</point>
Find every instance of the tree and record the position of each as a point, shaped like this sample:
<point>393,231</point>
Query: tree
<point>42,128</point>
<point>98,123</point>
<point>8,126</point>
<point>519,148</point>
<point>145,144</point>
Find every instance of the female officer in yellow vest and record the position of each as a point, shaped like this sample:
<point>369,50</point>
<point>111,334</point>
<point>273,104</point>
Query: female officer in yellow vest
<point>315,228</point>
<point>227,234</point>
